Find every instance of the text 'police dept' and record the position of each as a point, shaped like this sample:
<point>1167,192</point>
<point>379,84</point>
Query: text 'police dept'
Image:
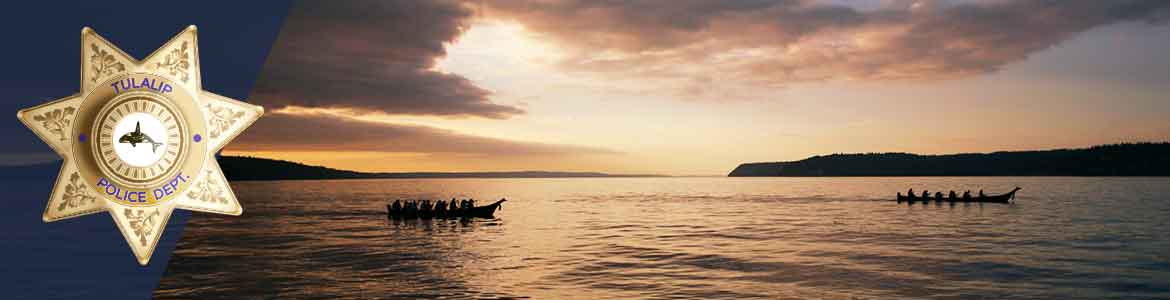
<point>140,196</point>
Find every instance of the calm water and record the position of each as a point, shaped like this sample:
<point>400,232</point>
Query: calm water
<point>684,238</point>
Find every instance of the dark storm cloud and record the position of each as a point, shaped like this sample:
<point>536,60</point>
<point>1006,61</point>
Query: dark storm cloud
<point>379,55</point>
<point>323,132</point>
<point>373,56</point>
<point>781,41</point>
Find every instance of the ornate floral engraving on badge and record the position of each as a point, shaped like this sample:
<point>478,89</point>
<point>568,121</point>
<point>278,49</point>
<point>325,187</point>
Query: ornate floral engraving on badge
<point>139,139</point>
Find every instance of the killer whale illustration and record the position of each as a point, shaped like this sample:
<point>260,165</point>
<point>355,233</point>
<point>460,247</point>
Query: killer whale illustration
<point>137,137</point>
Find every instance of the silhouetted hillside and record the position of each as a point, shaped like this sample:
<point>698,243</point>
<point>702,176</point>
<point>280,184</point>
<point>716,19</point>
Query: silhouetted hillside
<point>1143,159</point>
<point>251,168</point>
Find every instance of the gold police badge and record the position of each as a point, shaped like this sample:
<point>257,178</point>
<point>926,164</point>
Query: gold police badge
<point>139,139</point>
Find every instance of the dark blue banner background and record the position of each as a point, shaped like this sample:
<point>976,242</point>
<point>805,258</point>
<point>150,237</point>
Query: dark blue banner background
<point>87,257</point>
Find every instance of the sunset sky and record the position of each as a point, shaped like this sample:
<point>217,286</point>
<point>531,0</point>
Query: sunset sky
<point>697,87</point>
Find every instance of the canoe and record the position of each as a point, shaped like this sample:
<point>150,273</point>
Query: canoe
<point>1002,198</point>
<point>486,212</point>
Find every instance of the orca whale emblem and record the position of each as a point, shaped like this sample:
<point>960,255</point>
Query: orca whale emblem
<point>137,137</point>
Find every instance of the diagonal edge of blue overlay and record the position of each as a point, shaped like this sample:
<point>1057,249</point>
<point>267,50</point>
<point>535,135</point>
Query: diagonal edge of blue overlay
<point>87,257</point>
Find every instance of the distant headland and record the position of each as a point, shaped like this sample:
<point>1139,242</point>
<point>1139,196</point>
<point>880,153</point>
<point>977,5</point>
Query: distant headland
<point>1137,159</point>
<point>238,168</point>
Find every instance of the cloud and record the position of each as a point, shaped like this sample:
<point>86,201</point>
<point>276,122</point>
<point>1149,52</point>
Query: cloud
<point>778,42</point>
<point>375,56</point>
<point>380,56</point>
<point>325,132</point>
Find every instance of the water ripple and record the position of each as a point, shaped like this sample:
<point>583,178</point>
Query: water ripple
<point>684,238</point>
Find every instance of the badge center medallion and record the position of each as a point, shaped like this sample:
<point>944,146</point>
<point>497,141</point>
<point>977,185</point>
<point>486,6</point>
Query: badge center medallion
<point>143,133</point>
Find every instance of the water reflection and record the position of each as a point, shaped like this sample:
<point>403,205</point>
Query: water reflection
<point>707,238</point>
<point>440,224</point>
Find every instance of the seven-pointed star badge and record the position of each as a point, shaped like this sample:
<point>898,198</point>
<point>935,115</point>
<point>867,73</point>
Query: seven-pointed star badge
<point>140,139</point>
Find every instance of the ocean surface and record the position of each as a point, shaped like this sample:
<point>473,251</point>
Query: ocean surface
<point>684,238</point>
